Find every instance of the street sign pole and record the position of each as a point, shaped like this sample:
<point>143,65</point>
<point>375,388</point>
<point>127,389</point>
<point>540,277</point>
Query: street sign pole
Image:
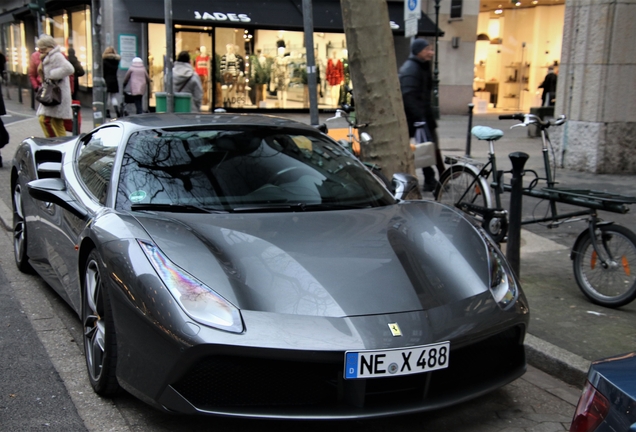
<point>167,64</point>
<point>412,13</point>
<point>308,20</point>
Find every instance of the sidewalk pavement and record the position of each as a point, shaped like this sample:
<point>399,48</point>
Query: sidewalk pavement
<point>566,331</point>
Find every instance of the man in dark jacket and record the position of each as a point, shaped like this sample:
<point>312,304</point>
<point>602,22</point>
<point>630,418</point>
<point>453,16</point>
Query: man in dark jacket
<point>416,82</point>
<point>549,86</point>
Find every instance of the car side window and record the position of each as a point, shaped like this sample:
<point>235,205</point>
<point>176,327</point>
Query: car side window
<point>95,160</point>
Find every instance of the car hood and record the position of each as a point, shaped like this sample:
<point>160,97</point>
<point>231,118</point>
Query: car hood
<point>405,257</point>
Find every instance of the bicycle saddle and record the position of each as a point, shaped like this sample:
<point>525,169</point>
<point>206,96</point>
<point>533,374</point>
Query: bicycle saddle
<point>486,133</point>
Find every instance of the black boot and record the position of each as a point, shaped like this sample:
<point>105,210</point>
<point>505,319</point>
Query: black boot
<point>107,113</point>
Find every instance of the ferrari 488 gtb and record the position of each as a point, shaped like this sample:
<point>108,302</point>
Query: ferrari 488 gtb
<point>248,265</point>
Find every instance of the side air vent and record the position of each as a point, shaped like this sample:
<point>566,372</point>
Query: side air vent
<point>49,163</point>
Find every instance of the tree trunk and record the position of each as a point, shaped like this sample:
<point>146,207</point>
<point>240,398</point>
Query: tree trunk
<point>378,100</point>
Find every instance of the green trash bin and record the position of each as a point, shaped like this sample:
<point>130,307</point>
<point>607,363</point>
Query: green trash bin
<point>182,102</point>
<point>161,104</point>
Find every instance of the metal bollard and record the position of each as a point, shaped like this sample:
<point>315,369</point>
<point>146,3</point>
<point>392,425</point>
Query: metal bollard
<point>76,108</point>
<point>470,126</point>
<point>513,246</point>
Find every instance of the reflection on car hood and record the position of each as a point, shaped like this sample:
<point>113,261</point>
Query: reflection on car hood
<point>405,257</point>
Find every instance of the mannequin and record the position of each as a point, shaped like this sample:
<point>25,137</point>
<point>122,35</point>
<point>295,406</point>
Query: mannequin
<point>280,78</point>
<point>202,68</point>
<point>335,76</point>
<point>229,75</point>
<point>261,88</point>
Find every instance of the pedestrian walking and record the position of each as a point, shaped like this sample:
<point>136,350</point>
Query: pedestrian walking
<point>110,63</point>
<point>549,86</point>
<point>54,66</point>
<point>4,135</point>
<point>416,83</point>
<point>139,80</point>
<point>79,72</point>
<point>3,66</point>
<point>34,77</point>
<point>185,80</point>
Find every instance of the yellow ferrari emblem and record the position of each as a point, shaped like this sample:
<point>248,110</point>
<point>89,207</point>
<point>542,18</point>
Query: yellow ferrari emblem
<point>395,329</point>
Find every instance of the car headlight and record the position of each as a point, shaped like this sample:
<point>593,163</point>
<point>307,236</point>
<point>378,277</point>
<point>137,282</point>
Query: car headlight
<point>200,302</point>
<point>502,282</point>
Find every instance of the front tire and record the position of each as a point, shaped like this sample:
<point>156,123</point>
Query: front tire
<point>100,342</point>
<point>20,252</point>
<point>612,285</point>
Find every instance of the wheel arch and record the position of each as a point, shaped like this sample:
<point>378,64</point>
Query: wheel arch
<point>85,249</point>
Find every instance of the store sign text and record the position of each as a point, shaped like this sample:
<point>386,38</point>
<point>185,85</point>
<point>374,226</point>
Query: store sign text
<point>219,16</point>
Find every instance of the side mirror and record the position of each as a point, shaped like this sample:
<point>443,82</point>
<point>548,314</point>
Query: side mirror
<point>53,190</point>
<point>322,128</point>
<point>404,184</point>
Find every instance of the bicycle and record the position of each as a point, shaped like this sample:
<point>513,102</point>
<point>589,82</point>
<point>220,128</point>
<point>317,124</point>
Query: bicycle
<point>602,254</point>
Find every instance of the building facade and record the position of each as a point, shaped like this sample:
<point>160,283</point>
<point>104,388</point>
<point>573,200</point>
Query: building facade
<point>250,55</point>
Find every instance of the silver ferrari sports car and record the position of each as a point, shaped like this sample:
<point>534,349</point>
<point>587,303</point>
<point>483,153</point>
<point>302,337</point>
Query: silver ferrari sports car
<point>247,265</point>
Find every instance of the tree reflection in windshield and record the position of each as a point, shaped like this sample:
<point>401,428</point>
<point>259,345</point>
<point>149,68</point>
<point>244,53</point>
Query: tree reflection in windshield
<point>254,166</point>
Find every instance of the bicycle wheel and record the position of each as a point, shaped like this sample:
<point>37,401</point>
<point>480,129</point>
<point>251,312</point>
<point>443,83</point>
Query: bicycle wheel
<point>610,285</point>
<point>457,180</point>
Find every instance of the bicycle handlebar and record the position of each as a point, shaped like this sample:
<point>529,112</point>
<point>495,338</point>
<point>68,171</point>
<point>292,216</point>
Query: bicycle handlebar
<point>528,119</point>
<point>519,117</point>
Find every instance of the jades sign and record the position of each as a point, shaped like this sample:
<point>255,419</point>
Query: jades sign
<point>220,16</point>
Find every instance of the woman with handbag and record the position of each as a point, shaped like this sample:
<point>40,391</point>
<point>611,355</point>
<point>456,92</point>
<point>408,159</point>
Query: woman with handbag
<point>54,69</point>
<point>139,80</point>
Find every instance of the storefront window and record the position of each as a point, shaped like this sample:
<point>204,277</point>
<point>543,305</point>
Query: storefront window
<point>82,42</point>
<point>58,26</point>
<point>17,54</point>
<point>268,69</point>
<point>247,69</point>
<point>156,52</point>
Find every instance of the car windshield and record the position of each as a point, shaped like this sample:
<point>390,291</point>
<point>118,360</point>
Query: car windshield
<point>247,169</point>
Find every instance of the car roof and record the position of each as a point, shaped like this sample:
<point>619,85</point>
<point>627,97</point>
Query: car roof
<point>163,120</point>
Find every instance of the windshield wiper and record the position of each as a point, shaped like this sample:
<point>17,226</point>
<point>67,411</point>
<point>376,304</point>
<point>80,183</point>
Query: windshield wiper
<point>175,208</point>
<point>297,207</point>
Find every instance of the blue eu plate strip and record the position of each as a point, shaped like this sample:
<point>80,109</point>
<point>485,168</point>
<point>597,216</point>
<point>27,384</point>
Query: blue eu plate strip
<point>351,365</point>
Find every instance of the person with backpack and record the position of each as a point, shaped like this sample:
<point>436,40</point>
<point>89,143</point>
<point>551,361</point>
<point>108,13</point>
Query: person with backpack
<point>185,80</point>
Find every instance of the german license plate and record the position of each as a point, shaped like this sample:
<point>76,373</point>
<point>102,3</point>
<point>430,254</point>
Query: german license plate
<point>393,362</point>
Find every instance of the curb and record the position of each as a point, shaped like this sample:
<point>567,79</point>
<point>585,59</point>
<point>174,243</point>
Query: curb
<point>556,361</point>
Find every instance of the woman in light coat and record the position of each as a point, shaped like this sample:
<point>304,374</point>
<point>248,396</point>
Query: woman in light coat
<point>54,66</point>
<point>139,80</point>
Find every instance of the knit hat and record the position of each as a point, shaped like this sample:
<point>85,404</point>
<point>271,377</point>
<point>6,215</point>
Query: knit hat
<point>137,61</point>
<point>418,45</point>
<point>46,41</point>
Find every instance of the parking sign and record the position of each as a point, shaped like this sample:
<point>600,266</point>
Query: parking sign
<point>412,9</point>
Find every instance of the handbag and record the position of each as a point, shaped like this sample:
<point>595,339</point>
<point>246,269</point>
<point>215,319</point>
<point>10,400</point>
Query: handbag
<point>49,93</point>
<point>423,147</point>
<point>128,97</point>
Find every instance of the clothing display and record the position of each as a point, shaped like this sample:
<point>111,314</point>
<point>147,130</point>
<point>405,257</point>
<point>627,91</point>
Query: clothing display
<point>335,72</point>
<point>202,65</point>
<point>279,73</point>
<point>202,68</point>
